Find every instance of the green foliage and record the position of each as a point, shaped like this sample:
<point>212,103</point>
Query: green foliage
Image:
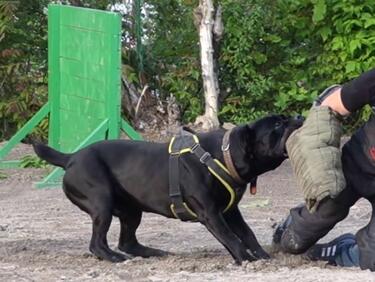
<point>32,161</point>
<point>172,53</point>
<point>349,39</point>
<point>185,85</point>
<point>23,63</point>
<point>243,55</point>
<point>278,55</point>
<point>275,56</point>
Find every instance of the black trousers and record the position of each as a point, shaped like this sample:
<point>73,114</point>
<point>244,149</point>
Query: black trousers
<point>358,159</point>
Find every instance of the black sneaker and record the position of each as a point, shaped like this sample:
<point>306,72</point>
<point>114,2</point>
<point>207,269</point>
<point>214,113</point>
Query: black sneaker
<point>328,251</point>
<point>280,229</point>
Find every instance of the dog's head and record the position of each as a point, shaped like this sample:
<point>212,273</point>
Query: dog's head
<point>267,137</point>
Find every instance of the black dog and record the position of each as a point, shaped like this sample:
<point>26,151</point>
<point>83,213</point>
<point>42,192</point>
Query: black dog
<point>125,178</point>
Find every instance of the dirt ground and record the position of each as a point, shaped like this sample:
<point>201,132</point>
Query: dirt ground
<point>43,237</point>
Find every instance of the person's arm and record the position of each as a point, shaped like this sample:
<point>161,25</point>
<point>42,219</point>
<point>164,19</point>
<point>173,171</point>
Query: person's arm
<point>334,101</point>
<point>353,95</point>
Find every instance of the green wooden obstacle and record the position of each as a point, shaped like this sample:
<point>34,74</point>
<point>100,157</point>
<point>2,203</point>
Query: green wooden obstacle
<point>84,84</point>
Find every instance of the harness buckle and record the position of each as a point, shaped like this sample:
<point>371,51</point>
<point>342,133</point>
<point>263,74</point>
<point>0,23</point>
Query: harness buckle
<point>205,157</point>
<point>173,195</point>
<point>195,146</point>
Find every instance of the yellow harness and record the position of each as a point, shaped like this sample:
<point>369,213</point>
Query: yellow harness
<point>189,143</point>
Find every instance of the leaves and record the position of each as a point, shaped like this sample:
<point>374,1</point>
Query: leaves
<point>320,10</point>
<point>354,45</point>
<point>3,175</point>
<point>351,66</point>
<point>32,161</point>
<point>276,56</point>
<point>369,22</point>
<point>23,62</point>
<point>325,32</point>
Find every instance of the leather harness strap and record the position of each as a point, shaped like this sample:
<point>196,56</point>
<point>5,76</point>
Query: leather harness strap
<point>177,146</point>
<point>178,206</point>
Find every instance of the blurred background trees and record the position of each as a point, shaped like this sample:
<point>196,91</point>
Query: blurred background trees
<point>275,56</point>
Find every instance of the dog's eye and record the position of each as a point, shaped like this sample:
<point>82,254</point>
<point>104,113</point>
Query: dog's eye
<point>278,124</point>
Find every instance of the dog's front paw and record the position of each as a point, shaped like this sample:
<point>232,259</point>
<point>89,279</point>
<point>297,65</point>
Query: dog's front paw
<point>244,255</point>
<point>255,255</point>
<point>260,254</point>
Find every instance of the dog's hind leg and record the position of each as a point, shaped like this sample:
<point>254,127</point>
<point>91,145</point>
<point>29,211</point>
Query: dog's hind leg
<point>97,202</point>
<point>99,246</point>
<point>238,225</point>
<point>128,243</point>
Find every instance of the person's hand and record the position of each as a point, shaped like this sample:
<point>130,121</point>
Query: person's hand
<point>335,103</point>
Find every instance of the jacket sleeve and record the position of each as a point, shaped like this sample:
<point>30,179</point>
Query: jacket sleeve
<point>359,92</point>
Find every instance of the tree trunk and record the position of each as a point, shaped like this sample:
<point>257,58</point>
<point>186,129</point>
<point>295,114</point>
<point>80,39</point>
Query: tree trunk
<point>210,32</point>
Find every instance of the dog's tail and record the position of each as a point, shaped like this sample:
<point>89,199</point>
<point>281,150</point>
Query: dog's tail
<point>51,155</point>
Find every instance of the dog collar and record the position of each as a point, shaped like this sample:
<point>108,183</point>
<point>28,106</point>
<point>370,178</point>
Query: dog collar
<point>225,148</point>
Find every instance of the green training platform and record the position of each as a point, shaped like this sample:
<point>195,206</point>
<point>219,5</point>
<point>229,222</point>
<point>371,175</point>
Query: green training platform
<point>84,84</point>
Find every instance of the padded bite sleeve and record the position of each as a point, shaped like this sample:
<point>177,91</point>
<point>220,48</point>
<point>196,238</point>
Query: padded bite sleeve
<point>314,152</point>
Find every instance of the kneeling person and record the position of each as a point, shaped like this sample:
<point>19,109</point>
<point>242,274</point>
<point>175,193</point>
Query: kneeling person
<point>304,226</point>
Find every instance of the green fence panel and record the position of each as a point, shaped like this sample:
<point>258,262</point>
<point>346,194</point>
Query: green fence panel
<point>84,83</point>
<point>85,72</point>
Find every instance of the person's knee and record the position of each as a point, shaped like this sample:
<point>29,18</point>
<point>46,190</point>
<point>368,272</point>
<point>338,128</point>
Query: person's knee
<point>298,236</point>
<point>306,228</point>
<point>328,213</point>
<point>292,243</point>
